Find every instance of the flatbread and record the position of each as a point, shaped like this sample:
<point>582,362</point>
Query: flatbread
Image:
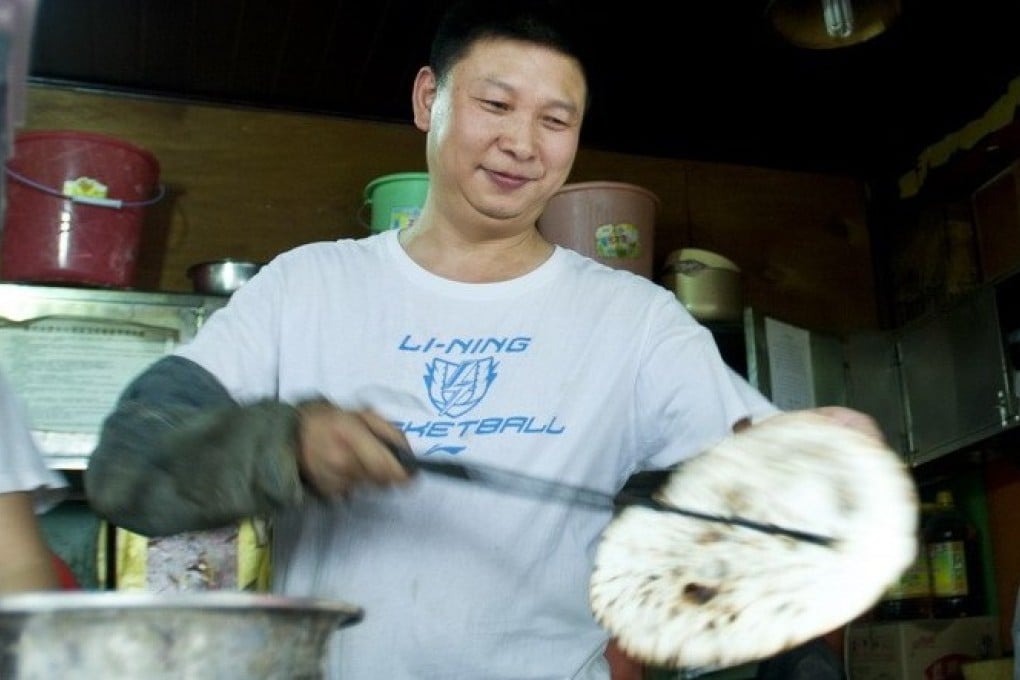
<point>686,593</point>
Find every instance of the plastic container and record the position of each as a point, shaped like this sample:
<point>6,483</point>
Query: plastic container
<point>955,561</point>
<point>708,284</point>
<point>75,208</point>
<point>395,201</point>
<point>611,222</point>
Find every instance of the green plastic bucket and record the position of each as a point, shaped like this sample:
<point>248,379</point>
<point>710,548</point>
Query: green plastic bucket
<point>395,201</point>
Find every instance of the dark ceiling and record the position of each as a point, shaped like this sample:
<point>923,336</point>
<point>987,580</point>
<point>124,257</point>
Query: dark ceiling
<point>704,80</point>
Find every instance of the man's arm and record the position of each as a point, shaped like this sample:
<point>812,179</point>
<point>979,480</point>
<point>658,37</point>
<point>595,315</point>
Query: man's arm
<point>179,454</point>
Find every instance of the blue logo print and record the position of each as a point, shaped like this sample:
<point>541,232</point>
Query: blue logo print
<point>456,388</point>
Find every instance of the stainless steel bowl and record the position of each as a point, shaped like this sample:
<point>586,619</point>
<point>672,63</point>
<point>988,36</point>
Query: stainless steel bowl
<point>221,277</point>
<point>209,635</point>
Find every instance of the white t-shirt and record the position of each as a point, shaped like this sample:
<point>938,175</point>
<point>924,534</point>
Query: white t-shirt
<point>574,372</point>
<point>22,467</point>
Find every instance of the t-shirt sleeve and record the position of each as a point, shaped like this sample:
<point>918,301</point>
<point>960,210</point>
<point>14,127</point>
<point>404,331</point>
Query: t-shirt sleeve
<point>22,466</point>
<point>688,397</point>
<point>237,344</point>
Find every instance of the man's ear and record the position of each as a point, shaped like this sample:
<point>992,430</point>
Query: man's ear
<point>423,96</point>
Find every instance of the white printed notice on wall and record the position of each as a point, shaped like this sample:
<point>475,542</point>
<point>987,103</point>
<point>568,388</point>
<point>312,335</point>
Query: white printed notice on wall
<point>790,371</point>
<point>69,372</point>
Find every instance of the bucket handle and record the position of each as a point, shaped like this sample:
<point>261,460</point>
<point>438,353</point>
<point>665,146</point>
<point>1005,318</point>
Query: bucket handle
<point>89,200</point>
<point>361,215</point>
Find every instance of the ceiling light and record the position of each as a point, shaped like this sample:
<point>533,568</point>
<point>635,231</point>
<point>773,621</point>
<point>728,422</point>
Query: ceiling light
<point>825,24</point>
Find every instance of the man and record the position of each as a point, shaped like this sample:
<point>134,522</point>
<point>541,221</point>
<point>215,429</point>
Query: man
<point>465,336</point>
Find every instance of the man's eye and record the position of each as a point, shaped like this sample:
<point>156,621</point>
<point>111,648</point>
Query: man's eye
<point>556,123</point>
<point>494,105</point>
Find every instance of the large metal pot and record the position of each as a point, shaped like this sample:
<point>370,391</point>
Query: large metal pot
<point>196,635</point>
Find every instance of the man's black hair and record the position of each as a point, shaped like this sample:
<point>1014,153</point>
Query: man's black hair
<point>541,22</point>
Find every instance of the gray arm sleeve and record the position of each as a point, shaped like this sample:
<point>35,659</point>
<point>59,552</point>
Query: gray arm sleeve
<point>179,454</point>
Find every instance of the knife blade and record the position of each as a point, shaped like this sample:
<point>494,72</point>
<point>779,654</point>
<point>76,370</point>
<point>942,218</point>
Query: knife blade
<point>520,484</point>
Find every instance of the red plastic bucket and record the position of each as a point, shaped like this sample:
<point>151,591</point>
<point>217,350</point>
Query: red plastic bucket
<point>75,208</point>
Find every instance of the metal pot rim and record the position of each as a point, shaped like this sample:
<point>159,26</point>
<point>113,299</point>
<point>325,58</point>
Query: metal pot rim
<point>56,601</point>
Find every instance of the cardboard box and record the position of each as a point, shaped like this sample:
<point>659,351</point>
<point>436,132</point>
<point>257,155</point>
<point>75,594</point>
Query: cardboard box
<point>925,649</point>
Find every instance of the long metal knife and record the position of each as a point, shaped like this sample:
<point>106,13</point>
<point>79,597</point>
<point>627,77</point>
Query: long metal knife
<point>521,484</point>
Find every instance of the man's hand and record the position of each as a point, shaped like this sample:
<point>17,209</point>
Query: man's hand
<point>340,450</point>
<point>855,420</point>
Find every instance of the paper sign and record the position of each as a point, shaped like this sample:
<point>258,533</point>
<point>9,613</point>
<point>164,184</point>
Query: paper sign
<point>790,370</point>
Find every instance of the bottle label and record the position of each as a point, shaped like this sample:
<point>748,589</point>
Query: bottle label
<point>915,582</point>
<point>948,568</point>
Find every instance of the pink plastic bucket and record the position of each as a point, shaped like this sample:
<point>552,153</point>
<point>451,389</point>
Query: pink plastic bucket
<point>75,208</point>
<point>612,222</point>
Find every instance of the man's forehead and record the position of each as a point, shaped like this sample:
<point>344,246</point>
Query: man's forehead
<point>490,57</point>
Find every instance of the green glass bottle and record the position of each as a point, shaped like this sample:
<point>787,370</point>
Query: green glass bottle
<point>955,561</point>
<point>910,596</point>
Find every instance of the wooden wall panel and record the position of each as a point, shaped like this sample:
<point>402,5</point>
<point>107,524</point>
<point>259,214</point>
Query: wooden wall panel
<point>251,183</point>
<point>801,241</point>
<point>997,219</point>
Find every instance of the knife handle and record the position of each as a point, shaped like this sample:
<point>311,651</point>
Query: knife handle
<point>404,456</point>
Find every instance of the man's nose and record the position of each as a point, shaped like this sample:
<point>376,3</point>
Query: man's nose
<point>517,136</point>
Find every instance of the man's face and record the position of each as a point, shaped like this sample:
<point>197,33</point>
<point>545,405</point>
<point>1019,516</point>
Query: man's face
<point>503,131</point>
